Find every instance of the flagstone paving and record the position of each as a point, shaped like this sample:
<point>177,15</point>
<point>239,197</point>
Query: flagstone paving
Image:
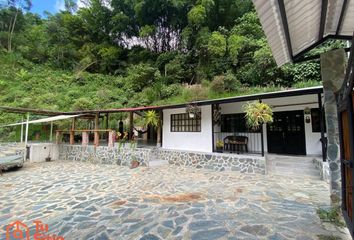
<point>87,201</point>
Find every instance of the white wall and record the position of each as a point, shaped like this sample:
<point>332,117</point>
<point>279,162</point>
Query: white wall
<point>202,141</point>
<point>40,151</point>
<point>313,145</point>
<point>192,141</point>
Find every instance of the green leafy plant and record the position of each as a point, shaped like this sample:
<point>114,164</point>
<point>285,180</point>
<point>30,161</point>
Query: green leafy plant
<point>257,113</point>
<point>331,215</point>
<point>219,144</point>
<point>151,118</point>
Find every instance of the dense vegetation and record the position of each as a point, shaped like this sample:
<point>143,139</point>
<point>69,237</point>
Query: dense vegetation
<point>137,52</point>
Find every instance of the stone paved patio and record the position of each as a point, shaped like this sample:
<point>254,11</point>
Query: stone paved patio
<point>87,201</point>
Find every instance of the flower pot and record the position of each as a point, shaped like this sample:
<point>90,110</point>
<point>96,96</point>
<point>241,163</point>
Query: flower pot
<point>191,115</point>
<point>219,149</point>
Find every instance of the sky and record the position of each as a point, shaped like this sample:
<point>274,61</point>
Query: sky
<point>52,6</point>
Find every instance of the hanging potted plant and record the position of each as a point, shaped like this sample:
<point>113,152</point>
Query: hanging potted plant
<point>257,114</point>
<point>193,111</point>
<point>151,119</point>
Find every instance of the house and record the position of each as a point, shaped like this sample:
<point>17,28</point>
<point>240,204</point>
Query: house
<point>296,129</point>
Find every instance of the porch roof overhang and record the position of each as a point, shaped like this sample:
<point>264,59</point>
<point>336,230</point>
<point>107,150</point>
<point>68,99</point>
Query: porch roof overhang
<point>294,27</point>
<point>258,96</point>
<point>252,97</point>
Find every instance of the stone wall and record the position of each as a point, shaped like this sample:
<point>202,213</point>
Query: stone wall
<point>214,161</point>
<point>104,155</point>
<point>323,167</point>
<point>12,148</point>
<point>123,156</point>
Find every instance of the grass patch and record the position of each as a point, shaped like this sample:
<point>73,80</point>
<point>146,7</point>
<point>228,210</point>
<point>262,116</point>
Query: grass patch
<point>331,215</point>
<point>326,237</point>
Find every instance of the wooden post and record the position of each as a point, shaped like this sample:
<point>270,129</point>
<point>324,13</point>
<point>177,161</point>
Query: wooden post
<point>58,137</point>
<point>107,127</point>
<point>111,138</point>
<point>85,139</point>
<point>107,118</point>
<point>131,124</point>
<point>72,132</point>
<point>96,134</point>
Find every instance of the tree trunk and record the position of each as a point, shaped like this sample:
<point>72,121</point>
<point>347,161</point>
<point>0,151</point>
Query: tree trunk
<point>11,32</point>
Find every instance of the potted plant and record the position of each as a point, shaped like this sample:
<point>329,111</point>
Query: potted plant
<point>193,110</point>
<point>152,119</point>
<point>219,146</point>
<point>257,114</point>
<point>134,163</point>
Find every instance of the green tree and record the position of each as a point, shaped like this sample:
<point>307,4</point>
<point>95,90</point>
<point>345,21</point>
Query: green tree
<point>18,5</point>
<point>217,44</point>
<point>197,16</point>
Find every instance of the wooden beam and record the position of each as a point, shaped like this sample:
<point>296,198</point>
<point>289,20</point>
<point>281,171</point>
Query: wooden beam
<point>341,17</point>
<point>285,27</point>
<point>324,7</point>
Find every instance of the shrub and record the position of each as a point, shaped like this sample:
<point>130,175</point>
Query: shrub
<point>218,84</point>
<point>83,104</point>
<point>231,83</point>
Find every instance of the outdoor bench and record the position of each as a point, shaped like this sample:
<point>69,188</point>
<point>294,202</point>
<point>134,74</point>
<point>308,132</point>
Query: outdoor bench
<point>236,143</point>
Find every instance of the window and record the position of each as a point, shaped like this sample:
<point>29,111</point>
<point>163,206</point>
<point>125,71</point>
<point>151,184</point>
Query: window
<point>234,123</point>
<point>183,123</point>
<point>316,119</point>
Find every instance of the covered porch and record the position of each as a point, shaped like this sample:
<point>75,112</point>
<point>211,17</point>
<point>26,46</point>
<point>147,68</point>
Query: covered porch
<point>298,127</point>
<point>88,128</point>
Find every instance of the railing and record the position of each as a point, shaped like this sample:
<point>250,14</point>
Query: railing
<point>84,137</point>
<point>254,143</point>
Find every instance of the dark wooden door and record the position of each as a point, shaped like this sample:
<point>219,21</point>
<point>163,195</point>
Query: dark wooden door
<point>286,135</point>
<point>346,159</point>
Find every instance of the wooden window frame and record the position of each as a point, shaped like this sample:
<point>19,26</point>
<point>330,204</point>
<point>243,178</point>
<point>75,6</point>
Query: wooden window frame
<point>181,122</point>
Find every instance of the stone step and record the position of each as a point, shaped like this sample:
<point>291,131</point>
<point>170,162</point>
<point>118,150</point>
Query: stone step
<point>309,172</point>
<point>300,176</point>
<point>156,163</point>
<point>302,167</point>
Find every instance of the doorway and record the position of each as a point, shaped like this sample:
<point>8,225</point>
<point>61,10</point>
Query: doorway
<point>286,135</point>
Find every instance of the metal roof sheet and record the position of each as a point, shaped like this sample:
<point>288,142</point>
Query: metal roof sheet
<point>293,27</point>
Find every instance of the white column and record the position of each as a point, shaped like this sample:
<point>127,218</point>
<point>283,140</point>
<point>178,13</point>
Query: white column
<point>51,132</point>
<point>21,130</point>
<point>27,125</point>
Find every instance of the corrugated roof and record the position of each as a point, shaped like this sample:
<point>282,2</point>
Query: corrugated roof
<point>44,120</point>
<point>293,27</point>
<point>278,94</point>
